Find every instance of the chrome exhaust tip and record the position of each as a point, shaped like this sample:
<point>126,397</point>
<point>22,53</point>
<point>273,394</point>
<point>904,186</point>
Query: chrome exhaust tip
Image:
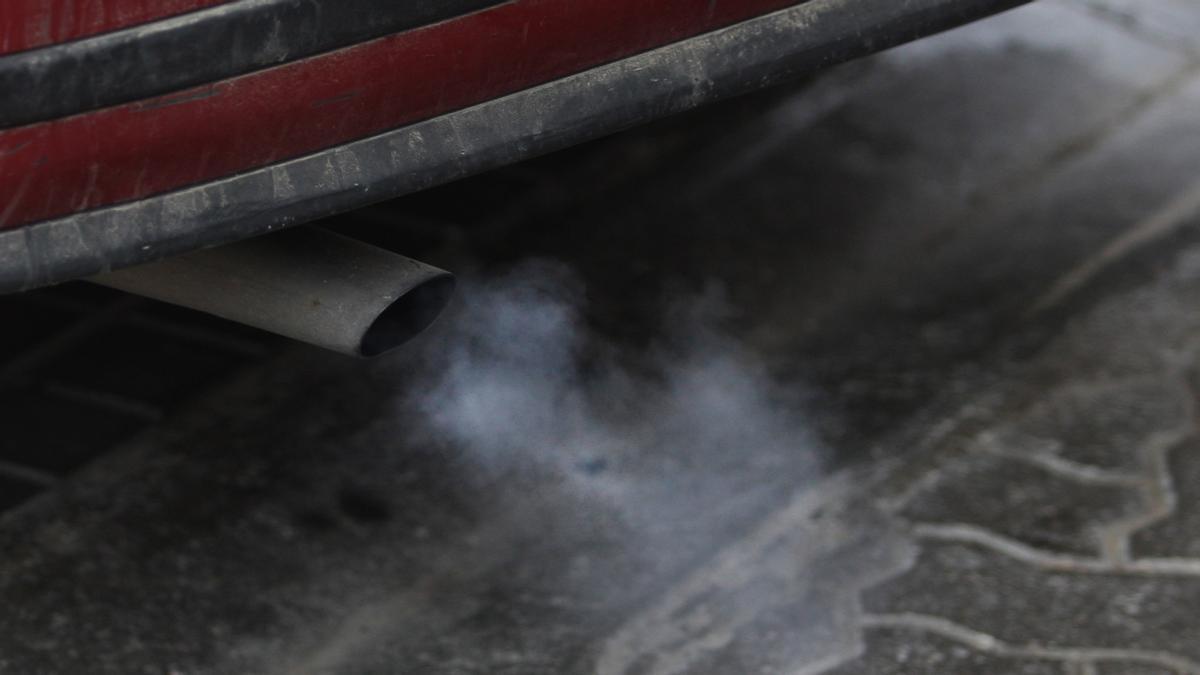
<point>304,283</point>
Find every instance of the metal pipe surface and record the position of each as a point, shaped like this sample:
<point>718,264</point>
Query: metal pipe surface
<point>304,283</point>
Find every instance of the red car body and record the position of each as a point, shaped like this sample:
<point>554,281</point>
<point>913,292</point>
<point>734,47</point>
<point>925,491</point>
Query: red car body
<point>136,129</point>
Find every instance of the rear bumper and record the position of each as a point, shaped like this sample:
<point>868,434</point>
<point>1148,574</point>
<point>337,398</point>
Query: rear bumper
<point>149,109</point>
<point>747,55</point>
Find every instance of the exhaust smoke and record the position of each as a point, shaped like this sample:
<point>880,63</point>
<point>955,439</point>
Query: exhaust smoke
<point>519,377</point>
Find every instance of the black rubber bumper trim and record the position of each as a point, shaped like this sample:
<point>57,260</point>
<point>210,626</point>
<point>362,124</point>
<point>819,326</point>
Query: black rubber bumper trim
<point>202,46</point>
<point>749,55</point>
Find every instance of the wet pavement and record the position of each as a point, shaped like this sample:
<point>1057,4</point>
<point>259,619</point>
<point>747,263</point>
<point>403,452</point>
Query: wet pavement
<point>891,371</point>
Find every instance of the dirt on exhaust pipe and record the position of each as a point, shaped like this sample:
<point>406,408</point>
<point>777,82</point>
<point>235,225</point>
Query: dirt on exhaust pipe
<point>304,283</point>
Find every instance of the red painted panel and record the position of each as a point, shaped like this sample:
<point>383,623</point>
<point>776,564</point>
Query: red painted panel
<point>136,150</point>
<point>27,24</point>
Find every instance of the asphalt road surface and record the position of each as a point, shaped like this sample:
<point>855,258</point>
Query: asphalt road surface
<point>890,371</point>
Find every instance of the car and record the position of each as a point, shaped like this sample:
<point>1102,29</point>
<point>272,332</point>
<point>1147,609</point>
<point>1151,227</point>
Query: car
<point>135,131</point>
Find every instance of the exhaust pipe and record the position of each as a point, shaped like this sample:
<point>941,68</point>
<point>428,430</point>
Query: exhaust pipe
<point>303,283</point>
